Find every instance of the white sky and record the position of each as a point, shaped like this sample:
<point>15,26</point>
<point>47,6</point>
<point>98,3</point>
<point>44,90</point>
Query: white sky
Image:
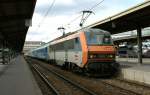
<point>44,28</point>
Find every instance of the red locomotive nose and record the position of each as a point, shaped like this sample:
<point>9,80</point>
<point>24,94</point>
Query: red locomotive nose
<point>101,49</point>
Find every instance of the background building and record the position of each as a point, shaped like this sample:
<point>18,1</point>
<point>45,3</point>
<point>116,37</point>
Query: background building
<point>29,45</point>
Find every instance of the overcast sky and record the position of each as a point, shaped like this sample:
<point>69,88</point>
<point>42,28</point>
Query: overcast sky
<point>63,12</point>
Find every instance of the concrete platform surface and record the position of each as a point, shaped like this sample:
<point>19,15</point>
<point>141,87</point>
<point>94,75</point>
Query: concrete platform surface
<point>3,68</point>
<point>17,79</point>
<point>136,72</point>
<point>133,60</point>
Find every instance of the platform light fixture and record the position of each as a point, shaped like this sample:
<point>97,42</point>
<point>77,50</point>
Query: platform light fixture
<point>62,29</point>
<point>113,25</point>
<point>28,22</point>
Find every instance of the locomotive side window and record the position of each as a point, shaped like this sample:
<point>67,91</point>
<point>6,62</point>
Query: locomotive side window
<point>77,44</point>
<point>76,41</point>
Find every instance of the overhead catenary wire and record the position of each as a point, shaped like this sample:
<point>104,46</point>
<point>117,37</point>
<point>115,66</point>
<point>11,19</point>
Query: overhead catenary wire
<point>73,20</point>
<point>47,12</point>
<point>49,9</point>
<point>51,6</point>
<point>83,16</point>
<point>96,5</point>
<point>87,13</point>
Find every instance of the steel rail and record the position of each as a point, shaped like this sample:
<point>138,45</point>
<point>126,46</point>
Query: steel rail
<point>73,83</point>
<point>43,76</point>
<point>120,88</point>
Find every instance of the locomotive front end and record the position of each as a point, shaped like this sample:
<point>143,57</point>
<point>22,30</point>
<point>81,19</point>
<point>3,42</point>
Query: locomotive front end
<point>101,52</point>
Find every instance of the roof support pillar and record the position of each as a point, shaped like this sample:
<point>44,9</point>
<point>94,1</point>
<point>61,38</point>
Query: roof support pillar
<point>139,41</point>
<point>3,55</point>
<point>1,48</point>
<point>4,52</point>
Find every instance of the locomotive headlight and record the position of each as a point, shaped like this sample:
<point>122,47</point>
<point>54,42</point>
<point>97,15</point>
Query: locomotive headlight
<point>110,56</point>
<point>92,56</point>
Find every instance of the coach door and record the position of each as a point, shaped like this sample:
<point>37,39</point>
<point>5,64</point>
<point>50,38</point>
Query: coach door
<point>65,51</point>
<point>52,53</point>
<point>78,52</point>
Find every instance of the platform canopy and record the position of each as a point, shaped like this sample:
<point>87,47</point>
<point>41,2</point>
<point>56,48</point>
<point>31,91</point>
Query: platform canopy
<point>14,17</point>
<point>135,18</point>
<point>131,19</point>
<point>130,39</point>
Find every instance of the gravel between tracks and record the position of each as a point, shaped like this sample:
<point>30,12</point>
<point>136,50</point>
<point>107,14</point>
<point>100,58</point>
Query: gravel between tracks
<point>61,85</point>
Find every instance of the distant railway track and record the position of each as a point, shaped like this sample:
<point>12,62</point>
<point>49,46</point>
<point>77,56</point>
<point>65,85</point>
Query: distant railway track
<point>133,87</point>
<point>99,86</point>
<point>134,83</point>
<point>79,89</point>
<point>122,89</point>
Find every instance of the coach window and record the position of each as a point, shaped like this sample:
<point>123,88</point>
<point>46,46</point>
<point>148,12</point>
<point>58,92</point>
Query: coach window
<point>52,47</point>
<point>56,46</point>
<point>70,44</point>
<point>61,46</point>
<point>65,45</point>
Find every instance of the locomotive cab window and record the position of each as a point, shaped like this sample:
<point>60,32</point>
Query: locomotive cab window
<point>98,38</point>
<point>107,39</point>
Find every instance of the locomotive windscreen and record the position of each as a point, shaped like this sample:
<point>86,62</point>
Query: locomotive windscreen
<point>98,37</point>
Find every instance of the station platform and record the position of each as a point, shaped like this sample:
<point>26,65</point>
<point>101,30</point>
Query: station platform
<point>133,60</point>
<point>132,70</point>
<point>17,79</point>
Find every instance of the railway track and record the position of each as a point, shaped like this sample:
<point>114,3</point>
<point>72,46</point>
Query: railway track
<point>44,78</point>
<point>122,91</point>
<point>99,86</point>
<point>128,92</point>
<point>133,87</point>
<point>72,89</point>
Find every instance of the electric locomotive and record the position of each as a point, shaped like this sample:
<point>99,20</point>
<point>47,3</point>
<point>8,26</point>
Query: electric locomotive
<point>89,50</point>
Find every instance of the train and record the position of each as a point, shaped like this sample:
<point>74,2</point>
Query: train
<point>131,51</point>
<point>88,51</point>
